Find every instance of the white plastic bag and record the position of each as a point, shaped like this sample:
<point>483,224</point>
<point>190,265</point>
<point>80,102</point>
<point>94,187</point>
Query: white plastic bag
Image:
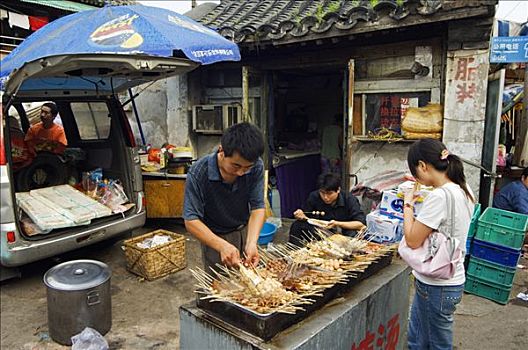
<point>89,339</point>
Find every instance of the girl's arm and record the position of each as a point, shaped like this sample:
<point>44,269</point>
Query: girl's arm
<point>415,232</point>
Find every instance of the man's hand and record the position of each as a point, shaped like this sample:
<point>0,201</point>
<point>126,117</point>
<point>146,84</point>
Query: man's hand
<point>332,224</point>
<point>252,254</point>
<point>299,215</point>
<point>230,255</point>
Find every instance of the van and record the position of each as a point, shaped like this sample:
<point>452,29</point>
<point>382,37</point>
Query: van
<point>88,90</point>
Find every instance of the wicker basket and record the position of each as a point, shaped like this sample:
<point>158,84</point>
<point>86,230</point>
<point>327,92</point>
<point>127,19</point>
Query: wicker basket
<point>158,261</point>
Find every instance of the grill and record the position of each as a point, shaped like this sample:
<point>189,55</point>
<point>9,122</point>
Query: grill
<point>267,326</point>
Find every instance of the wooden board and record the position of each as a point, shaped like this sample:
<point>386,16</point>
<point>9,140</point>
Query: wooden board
<point>358,118</point>
<point>164,197</point>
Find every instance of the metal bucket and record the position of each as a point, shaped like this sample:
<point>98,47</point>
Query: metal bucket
<point>78,294</point>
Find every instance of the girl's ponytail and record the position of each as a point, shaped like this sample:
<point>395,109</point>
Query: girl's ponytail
<point>435,153</point>
<point>455,172</point>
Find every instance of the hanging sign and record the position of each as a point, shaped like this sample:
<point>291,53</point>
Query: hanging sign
<point>509,49</point>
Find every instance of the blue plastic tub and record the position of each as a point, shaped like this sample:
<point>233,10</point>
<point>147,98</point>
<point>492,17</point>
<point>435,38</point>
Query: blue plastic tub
<point>267,233</point>
<point>495,253</point>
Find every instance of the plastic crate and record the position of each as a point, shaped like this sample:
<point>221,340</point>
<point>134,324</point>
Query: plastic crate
<point>474,221</point>
<point>502,227</point>
<point>495,253</point>
<point>491,272</point>
<point>469,243</point>
<point>488,290</point>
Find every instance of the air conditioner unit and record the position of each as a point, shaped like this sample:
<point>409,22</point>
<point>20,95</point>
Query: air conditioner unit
<point>214,119</point>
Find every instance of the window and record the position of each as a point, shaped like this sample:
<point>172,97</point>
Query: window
<point>385,110</point>
<point>93,120</point>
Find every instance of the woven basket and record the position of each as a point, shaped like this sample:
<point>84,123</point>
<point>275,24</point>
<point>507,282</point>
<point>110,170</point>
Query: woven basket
<point>158,261</point>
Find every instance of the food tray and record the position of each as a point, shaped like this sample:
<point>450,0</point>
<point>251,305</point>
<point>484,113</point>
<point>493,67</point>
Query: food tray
<point>266,326</point>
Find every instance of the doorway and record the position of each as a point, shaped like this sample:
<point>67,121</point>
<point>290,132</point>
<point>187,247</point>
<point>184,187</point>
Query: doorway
<point>306,127</point>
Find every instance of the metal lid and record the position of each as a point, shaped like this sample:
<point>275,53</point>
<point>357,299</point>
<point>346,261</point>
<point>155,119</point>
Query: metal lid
<point>77,275</point>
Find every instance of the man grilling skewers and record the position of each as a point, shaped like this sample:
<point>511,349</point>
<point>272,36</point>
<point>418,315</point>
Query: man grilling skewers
<point>224,198</point>
<point>328,208</point>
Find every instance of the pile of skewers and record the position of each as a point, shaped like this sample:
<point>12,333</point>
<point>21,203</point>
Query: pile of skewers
<point>289,276</point>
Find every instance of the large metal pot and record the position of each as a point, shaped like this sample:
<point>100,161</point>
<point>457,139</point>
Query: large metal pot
<point>79,296</point>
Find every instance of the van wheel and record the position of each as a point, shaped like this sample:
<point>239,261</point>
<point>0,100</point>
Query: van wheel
<point>46,170</point>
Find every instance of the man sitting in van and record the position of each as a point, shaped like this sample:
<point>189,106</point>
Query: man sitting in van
<point>47,135</point>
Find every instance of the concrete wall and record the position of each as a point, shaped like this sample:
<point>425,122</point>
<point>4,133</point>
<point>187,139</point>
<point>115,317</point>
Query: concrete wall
<point>465,107</point>
<point>372,158</point>
<point>178,115</point>
<point>163,112</point>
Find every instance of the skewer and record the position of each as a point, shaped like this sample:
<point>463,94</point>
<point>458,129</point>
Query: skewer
<point>315,212</point>
<point>292,258</point>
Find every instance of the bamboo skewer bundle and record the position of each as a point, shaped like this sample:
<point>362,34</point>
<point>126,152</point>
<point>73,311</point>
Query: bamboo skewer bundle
<point>288,276</point>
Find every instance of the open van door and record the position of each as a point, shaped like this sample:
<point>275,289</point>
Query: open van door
<point>491,137</point>
<point>91,74</point>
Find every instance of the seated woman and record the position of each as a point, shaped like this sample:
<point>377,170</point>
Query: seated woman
<point>340,209</point>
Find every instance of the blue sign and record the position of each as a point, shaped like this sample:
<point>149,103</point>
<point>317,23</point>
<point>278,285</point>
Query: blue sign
<point>509,49</point>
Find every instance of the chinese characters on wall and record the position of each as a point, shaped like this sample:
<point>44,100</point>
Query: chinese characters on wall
<point>384,337</point>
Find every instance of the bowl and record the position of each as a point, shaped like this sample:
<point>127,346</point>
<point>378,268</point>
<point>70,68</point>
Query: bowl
<point>267,233</point>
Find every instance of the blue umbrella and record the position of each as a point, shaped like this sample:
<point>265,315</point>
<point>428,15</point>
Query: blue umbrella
<point>130,30</point>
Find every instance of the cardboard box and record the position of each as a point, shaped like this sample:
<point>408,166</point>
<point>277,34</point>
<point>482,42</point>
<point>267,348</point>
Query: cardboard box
<point>384,229</point>
<point>392,204</point>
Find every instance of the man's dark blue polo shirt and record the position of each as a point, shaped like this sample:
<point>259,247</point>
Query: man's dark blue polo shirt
<point>221,206</point>
<point>513,197</point>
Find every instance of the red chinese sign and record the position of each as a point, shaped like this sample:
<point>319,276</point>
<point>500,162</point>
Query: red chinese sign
<point>466,74</point>
<point>390,112</point>
<point>385,337</point>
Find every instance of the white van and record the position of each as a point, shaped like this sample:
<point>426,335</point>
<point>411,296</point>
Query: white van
<point>84,87</point>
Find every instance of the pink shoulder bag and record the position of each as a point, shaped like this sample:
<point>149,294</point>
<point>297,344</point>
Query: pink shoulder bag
<point>439,254</point>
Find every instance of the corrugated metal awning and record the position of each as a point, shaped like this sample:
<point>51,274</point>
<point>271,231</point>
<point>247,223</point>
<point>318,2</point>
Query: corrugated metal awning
<point>62,5</point>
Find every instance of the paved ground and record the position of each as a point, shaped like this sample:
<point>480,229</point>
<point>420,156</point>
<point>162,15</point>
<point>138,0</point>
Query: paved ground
<point>145,314</point>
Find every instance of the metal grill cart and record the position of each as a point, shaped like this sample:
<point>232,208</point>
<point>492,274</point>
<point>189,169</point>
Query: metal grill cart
<point>370,312</point>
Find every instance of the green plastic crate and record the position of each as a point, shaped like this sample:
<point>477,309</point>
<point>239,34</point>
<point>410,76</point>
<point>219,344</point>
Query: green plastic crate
<point>491,272</point>
<point>474,221</point>
<point>488,290</point>
<point>502,227</point>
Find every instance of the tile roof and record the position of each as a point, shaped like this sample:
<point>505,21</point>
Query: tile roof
<point>101,3</point>
<point>261,20</point>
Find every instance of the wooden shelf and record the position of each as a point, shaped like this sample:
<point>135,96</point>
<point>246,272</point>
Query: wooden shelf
<point>368,139</point>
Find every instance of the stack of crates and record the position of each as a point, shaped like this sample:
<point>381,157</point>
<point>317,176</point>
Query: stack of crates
<point>495,251</point>
<point>472,227</point>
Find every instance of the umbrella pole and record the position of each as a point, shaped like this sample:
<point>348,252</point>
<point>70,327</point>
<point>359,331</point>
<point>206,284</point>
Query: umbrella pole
<point>133,100</point>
